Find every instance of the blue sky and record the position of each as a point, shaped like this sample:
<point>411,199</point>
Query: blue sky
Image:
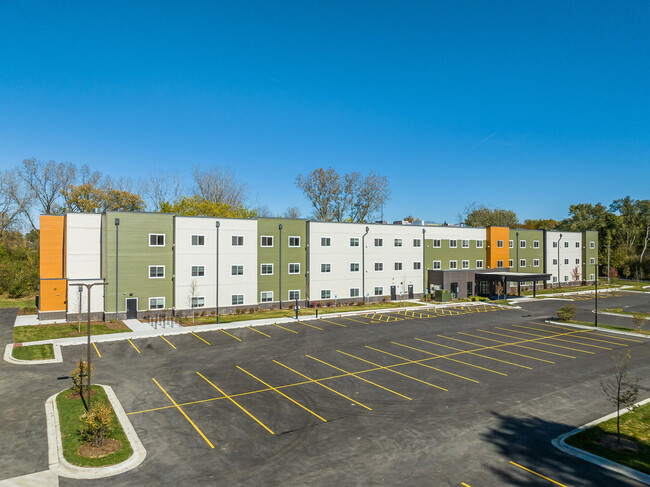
<point>530,106</point>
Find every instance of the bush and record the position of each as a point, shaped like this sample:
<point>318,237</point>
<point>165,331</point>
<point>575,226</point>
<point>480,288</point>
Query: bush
<point>291,306</point>
<point>330,303</point>
<point>639,320</point>
<point>567,312</point>
<point>251,310</point>
<point>96,424</point>
<point>79,377</point>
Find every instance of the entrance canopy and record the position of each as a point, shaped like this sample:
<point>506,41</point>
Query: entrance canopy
<point>492,277</point>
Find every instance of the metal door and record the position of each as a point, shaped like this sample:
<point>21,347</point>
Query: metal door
<point>131,309</point>
<point>410,289</point>
<point>393,293</point>
<point>454,290</point>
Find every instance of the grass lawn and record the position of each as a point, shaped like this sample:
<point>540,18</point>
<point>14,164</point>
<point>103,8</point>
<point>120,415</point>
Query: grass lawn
<point>635,426</point>
<point>69,412</point>
<point>65,330</point>
<point>623,312</point>
<point>636,285</point>
<point>34,352</point>
<point>26,305</point>
<point>603,325</point>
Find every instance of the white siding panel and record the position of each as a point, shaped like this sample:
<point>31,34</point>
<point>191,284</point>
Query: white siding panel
<point>83,259</point>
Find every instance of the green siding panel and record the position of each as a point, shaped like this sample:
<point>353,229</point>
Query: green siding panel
<point>529,252</point>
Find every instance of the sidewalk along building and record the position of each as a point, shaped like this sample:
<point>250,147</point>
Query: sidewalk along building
<point>138,264</point>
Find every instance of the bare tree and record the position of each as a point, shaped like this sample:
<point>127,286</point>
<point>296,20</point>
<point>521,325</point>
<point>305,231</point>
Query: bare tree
<point>619,389</point>
<point>46,180</point>
<point>342,206</point>
<point>219,186</point>
<point>15,200</point>
<point>371,193</point>
<point>321,187</point>
<point>292,212</point>
<point>191,294</point>
<point>161,187</point>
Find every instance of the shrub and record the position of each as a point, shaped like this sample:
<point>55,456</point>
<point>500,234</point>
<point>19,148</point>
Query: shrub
<point>330,303</point>
<point>96,424</point>
<point>79,377</point>
<point>291,306</point>
<point>567,312</point>
<point>639,320</point>
<point>251,310</point>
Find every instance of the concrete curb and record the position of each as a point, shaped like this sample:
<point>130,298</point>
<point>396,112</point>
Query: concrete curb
<point>60,466</point>
<point>624,315</point>
<point>58,356</point>
<point>608,330</point>
<point>560,444</point>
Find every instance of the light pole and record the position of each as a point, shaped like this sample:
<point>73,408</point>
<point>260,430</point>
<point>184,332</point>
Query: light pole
<point>424,267</point>
<point>596,297</point>
<point>280,265</point>
<point>558,261</point>
<point>117,254</point>
<point>217,282</point>
<point>363,263</point>
<point>517,233</point>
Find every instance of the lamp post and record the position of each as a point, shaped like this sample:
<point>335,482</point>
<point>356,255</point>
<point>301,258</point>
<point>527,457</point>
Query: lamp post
<point>363,263</point>
<point>424,267</point>
<point>117,254</point>
<point>217,281</point>
<point>596,297</point>
<point>558,262</point>
<point>517,233</point>
<point>280,265</point>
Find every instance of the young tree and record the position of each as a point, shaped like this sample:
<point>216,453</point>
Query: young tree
<point>575,274</point>
<point>191,295</point>
<point>96,424</point>
<point>639,320</point>
<point>80,377</point>
<point>498,288</point>
<point>619,389</point>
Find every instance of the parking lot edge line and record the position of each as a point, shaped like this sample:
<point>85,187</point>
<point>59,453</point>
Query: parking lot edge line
<point>472,352</point>
<point>200,338</point>
<point>590,338</point>
<point>260,332</point>
<point>561,339</point>
<point>236,403</point>
<point>538,474</point>
<point>284,395</point>
<point>287,329</point>
<point>465,485</point>
<point>232,336</point>
<point>99,354</point>
<point>136,348</point>
<point>498,349</point>
<point>354,374</point>
<point>312,326</point>
<point>315,381</point>
<point>333,322</point>
<point>543,338</point>
<point>183,413</point>
<point>504,343</point>
<point>394,371</point>
<point>516,344</point>
<point>594,333</point>
<point>170,343</point>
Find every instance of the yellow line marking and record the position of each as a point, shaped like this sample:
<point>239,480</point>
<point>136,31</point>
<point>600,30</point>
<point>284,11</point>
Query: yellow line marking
<point>465,485</point>
<point>558,339</point>
<point>230,335</point>
<point>316,381</point>
<point>236,404</point>
<point>183,413</point>
<point>356,321</point>
<point>284,395</point>
<point>423,365</point>
<point>538,474</point>
<point>498,349</point>
<point>586,337</point>
<point>507,343</point>
<point>136,348</point>
<point>353,374</point>
<point>100,355</point>
<point>477,354</point>
<point>393,371</point>
<point>543,343</point>
<point>317,327</point>
<point>595,333</point>
<point>260,332</point>
<point>200,338</point>
<point>287,329</point>
<point>333,322</point>
<point>170,343</point>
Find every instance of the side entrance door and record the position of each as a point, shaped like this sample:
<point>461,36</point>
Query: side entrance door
<point>410,289</point>
<point>393,293</point>
<point>131,309</point>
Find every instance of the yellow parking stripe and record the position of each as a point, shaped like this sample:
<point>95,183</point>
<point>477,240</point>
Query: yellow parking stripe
<point>498,349</point>
<point>504,343</point>
<point>257,331</point>
<point>559,339</point>
<point>356,321</point>
<point>303,323</point>
<point>333,322</point>
<point>585,337</point>
<point>594,333</point>
<point>230,335</point>
<point>200,338</point>
<point>183,413</point>
<point>543,343</point>
<point>316,381</point>
<point>99,354</point>
<point>393,371</point>
<point>136,348</point>
<point>477,354</point>
<point>237,404</point>
<point>170,343</point>
<point>538,474</point>
<point>287,329</point>
<point>283,395</point>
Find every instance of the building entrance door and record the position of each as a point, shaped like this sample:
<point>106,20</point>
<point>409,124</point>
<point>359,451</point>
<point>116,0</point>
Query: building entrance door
<point>454,290</point>
<point>410,289</point>
<point>393,293</point>
<point>132,309</point>
<point>470,288</point>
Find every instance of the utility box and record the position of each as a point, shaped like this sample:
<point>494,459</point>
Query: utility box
<point>442,296</point>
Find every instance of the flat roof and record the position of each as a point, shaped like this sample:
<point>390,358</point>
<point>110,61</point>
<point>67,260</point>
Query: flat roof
<point>513,276</point>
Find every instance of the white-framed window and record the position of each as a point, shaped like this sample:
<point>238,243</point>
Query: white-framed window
<point>577,245</point>
<point>464,244</point>
<point>555,247</point>
<point>237,270</point>
<point>398,266</point>
<point>198,301</point>
<point>398,242</point>
<point>554,261</point>
<point>577,261</point>
<point>464,264</point>
<point>554,278</point>
<point>479,244</point>
<point>591,277</point>
<point>453,264</point>
<point>198,271</point>
<point>566,246</point>
<point>198,240</point>
<point>237,241</point>
<point>437,265</point>
<point>535,244</point>
<point>535,262</point>
<point>566,261</point>
<point>266,241</point>
<point>379,242</point>
<point>511,244</point>
<point>522,244</point>
<point>266,296</point>
<point>479,264</point>
<point>325,293</point>
<point>592,245</point>
<point>325,242</point>
<point>156,271</point>
<point>156,240</point>
<point>354,241</point>
<point>294,268</point>
<point>500,244</point>
<point>500,263</point>
<point>326,267</point>
<point>266,269</point>
<point>354,267</point>
<point>236,299</point>
<point>379,266</point>
<point>417,242</point>
<point>417,266</point>
<point>379,291</point>
<point>294,294</point>
<point>354,292</point>
<point>566,278</point>
<point>437,243</point>
<point>592,260</point>
<point>453,243</point>
<point>511,263</point>
<point>522,262</point>
<point>156,303</point>
<point>294,241</point>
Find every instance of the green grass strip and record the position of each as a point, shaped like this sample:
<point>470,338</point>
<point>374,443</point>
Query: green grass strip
<point>63,330</point>
<point>34,352</point>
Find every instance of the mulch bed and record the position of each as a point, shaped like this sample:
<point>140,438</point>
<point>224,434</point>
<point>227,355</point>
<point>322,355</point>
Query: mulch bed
<point>109,446</point>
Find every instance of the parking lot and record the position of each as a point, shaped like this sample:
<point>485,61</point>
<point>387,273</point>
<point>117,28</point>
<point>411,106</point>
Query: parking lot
<point>469,395</point>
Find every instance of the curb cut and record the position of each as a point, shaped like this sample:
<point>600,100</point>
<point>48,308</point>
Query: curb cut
<point>608,330</point>
<point>60,466</point>
<point>58,356</point>
<point>560,443</point>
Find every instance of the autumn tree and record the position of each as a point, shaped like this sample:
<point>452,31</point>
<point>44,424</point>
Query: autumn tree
<point>196,206</point>
<point>575,274</point>
<point>482,216</point>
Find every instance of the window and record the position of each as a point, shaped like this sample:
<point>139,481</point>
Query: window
<point>198,271</point>
<point>379,266</point>
<point>156,271</point>
<point>266,269</point>
<point>453,264</point>
<point>511,244</point>
<point>566,246</point>
<point>453,243</point>
<point>511,263</point>
<point>156,240</point>
<point>500,244</point>
<point>577,261</point>
<point>266,241</point>
<point>535,262</point>
<point>591,277</point>
<point>326,267</point>
<point>554,278</point>
<point>294,241</point>
<point>156,303</point>
<point>566,261</point>
<point>294,295</point>
<point>592,260</point>
<point>198,239</point>
<point>326,294</point>
<point>522,262</point>
<point>237,241</point>
<point>354,267</point>
<point>437,265</point>
<point>479,264</point>
<point>479,244</point>
<point>379,290</point>
<point>465,244</point>
<point>354,292</point>
<point>436,243</point>
<point>465,264</point>
<point>522,244</point>
<point>554,261</point>
<point>499,263</point>
<point>398,266</point>
<point>379,242</point>
<point>266,296</point>
<point>555,247</point>
<point>398,242</point>
<point>325,242</point>
<point>237,270</point>
<point>417,242</point>
<point>198,301</point>
<point>294,268</point>
<point>417,266</point>
<point>592,245</point>
<point>354,242</point>
<point>577,245</point>
<point>566,278</point>
<point>237,299</point>
<point>535,244</point>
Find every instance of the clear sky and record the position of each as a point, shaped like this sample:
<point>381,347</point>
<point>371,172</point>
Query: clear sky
<point>524,105</point>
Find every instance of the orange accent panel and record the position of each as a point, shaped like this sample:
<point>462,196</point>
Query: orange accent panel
<point>495,253</point>
<point>51,255</point>
<point>53,295</point>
